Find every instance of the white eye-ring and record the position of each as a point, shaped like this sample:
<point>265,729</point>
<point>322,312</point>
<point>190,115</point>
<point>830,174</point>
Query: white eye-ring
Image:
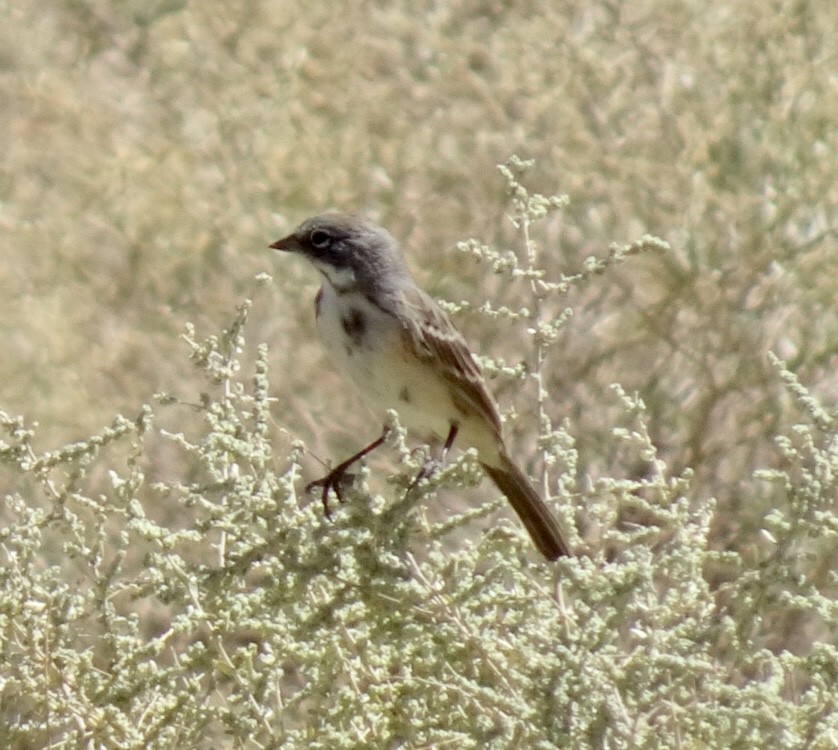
<point>320,239</point>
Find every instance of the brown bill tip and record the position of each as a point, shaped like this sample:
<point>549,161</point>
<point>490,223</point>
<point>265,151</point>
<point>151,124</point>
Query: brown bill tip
<point>286,243</point>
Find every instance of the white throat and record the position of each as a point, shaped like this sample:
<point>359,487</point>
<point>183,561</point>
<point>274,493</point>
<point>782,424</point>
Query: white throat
<point>342,279</point>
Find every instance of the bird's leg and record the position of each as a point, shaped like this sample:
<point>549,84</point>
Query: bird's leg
<point>333,480</point>
<point>431,466</point>
<point>449,441</point>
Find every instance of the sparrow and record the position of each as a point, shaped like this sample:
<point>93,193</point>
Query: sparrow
<point>402,352</point>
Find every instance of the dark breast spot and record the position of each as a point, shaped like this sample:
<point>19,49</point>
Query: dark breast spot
<point>404,395</point>
<point>354,325</point>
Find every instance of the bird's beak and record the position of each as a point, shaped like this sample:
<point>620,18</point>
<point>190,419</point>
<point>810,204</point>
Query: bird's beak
<point>289,244</point>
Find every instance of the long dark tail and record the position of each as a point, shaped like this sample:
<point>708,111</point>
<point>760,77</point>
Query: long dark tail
<point>538,519</point>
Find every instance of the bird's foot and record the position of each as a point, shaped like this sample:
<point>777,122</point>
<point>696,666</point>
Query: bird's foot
<point>334,481</point>
<point>429,468</point>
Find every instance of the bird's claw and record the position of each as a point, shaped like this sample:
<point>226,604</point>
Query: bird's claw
<point>429,468</point>
<point>332,482</point>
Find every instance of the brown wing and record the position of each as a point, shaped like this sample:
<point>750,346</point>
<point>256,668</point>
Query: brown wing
<point>429,332</point>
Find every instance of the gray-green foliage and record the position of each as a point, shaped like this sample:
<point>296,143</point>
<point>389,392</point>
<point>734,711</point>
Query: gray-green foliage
<point>148,601</point>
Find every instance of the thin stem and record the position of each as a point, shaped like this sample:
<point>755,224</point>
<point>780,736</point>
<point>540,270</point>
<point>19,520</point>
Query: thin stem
<point>539,353</point>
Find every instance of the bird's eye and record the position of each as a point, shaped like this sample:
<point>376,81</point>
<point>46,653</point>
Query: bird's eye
<point>320,239</point>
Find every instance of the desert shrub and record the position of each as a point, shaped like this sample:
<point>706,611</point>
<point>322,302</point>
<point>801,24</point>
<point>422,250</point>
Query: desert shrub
<point>218,607</point>
<point>151,152</point>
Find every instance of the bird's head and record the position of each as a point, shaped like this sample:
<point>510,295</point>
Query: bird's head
<point>349,251</point>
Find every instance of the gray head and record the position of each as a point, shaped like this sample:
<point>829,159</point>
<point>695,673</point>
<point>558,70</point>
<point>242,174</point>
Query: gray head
<point>349,251</point>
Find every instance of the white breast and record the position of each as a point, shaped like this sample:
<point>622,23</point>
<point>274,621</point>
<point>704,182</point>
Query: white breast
<point>366,345</point>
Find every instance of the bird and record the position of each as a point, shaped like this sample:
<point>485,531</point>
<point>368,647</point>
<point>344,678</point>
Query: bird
<point>401,351</point>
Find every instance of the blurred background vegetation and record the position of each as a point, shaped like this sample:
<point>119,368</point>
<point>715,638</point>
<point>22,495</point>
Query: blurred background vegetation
<point>152,150</point>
